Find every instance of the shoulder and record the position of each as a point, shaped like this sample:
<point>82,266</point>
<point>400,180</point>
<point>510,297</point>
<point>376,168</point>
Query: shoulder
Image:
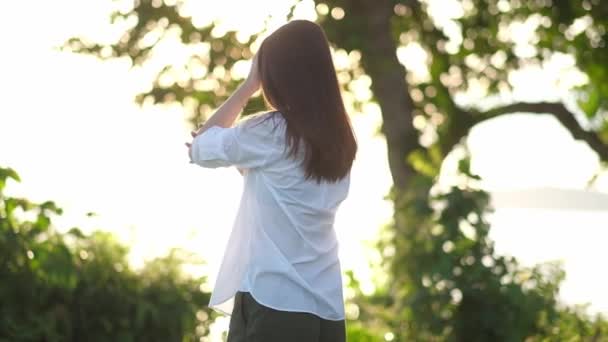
<point>262,117</point>
<point>264,122</point>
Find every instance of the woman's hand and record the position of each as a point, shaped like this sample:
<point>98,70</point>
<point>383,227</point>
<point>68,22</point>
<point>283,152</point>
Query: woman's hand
<point>253,81</point>
<point>189,145</point>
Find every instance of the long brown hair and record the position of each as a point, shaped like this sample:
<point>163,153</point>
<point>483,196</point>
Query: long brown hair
<point>299,80</point>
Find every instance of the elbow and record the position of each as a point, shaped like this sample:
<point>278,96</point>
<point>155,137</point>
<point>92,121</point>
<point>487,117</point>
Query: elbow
<point>208,163</point>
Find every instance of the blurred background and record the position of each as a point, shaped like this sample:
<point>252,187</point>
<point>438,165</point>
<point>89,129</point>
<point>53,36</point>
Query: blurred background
<point>479,201</point>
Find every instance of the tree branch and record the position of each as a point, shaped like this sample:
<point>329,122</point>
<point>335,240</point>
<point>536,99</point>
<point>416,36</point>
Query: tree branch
<point>560,112</point>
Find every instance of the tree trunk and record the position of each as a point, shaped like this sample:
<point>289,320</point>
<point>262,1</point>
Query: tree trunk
<point>389,86</point>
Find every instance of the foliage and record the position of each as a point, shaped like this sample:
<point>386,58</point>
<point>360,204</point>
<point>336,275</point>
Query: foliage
<point>206,79</point>
<point>79,287</point>
<point>358,333</point>
<point>452,286</point>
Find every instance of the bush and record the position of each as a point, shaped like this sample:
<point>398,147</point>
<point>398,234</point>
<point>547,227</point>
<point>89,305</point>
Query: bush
<point>447,283</point>
<point>78,287</point>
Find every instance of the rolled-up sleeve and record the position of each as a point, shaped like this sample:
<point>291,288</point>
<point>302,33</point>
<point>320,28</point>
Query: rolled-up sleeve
<point>242,146</point>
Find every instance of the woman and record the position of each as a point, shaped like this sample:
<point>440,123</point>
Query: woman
<point>280,277</point>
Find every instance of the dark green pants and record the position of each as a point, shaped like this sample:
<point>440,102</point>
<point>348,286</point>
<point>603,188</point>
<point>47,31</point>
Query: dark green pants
<point>253,322</point>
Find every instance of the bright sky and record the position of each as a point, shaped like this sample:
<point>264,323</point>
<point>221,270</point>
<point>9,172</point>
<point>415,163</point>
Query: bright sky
<point>69,126</point>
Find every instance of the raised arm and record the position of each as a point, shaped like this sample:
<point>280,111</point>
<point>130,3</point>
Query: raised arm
<point>228,112</point>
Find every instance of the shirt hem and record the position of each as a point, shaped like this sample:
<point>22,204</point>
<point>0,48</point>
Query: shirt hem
<point>215,308</point>
<point>296,310</point>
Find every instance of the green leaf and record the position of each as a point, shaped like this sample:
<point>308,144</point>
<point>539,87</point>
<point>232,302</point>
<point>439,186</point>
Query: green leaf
<point>422,163</point>
<point>591,102</point>
<point>7,173</point>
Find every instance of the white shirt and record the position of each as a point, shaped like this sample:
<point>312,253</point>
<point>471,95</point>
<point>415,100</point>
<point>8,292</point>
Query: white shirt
<point>283,247</point>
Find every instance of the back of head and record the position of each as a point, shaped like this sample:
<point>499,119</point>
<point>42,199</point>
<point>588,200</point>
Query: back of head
<point>299,80</point>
